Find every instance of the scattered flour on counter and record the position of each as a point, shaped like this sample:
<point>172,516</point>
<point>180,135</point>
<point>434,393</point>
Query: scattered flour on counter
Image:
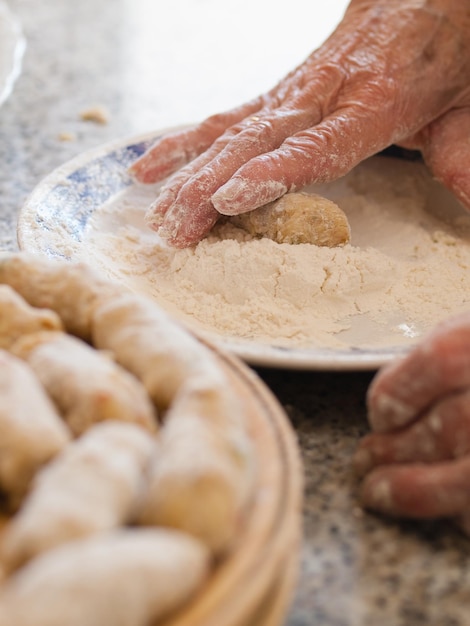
<point>405,269</point>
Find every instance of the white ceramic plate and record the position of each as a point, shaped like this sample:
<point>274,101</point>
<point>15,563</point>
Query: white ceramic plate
<point>12,46</point>
<point>80,209</point>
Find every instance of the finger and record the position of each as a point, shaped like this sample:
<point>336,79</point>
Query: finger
<point>419,491</point>
<point>439,365</point>
<point>192,213</point>
<point>172,151</point>
<point>442,434</point>
<point>447,152</point>
<point>168,194</point>
<point>319,154</point>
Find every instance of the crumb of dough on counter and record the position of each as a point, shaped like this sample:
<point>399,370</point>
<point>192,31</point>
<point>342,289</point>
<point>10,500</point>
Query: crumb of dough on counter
<point>98,114</point>
<point>66,136</point>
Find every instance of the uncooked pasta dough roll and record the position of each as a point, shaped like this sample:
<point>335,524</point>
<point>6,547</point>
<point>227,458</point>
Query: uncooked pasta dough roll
<point>200,482</point>
<point>121,578</point>
<point>69,289</point>
<point>86,385</point>
<point>94,485</point>
<point>17,317</point>
<point>148,343</point>
<point>204,472</point>
<point>31,430</point>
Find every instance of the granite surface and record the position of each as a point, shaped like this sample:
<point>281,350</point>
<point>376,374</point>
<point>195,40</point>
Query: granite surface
<point>154,66</point>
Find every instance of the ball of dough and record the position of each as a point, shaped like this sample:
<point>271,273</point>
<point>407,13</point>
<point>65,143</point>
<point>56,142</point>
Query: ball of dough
<point>298,218</point>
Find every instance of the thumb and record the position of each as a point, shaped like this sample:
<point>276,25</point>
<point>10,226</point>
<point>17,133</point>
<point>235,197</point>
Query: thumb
<point>447,152</point>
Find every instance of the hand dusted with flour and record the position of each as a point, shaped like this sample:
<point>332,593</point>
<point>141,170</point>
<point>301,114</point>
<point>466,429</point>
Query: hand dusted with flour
<point>394,71</point>
<point>416,462</point>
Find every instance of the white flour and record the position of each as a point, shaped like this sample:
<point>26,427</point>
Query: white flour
<point>404,270</point>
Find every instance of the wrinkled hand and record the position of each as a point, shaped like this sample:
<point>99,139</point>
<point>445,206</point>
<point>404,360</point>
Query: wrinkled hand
<point>416,462</point>
<point>393,72</point>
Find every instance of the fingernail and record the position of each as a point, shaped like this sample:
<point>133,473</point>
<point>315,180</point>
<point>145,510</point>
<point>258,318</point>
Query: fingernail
<point>239,196</point>
<point>166,226</point>
<point>166,232</point>
<point>389,413</point>
<point>138,168</point>
<point>362,462</point>
<point>154,223</point>
<point>379,496</point>
<point>153,219</point>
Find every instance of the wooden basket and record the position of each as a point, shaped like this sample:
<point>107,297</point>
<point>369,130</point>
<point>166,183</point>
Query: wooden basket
<point>254,583</point>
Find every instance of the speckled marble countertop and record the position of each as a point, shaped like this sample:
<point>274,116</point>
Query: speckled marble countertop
<point>154,66</point>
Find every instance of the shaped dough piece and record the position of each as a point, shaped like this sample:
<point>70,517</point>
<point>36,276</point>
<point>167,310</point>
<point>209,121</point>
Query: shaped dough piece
<point>298,218</point>
<point>31,430</point>
<point>149,344</point>
<point>204,473</point>
<point>202,478</point>
<point>93,485</point>
<point>86,385</point>
<point>69,289</point>
<point>18,318</point>
<point>120,578</point>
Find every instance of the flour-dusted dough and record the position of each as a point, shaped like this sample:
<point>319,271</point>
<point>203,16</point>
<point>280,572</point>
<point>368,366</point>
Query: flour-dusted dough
<point>201,479</point>
<point>298,218</point>
<point>203,475</point>
<point>17,317</point>
<point>31,430</point>
<point>146,341</point>
<point>209,474</point>
<point>92,486</point>
<point>121,578</point>
<point>70,290</point>
<point>86,385</point>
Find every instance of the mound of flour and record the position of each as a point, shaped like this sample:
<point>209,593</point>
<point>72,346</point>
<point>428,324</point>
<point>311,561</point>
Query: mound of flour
<point>406,268</point>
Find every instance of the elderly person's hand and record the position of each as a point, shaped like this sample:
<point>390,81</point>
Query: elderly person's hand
<point>416,462</point>
<point>393,72</point>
